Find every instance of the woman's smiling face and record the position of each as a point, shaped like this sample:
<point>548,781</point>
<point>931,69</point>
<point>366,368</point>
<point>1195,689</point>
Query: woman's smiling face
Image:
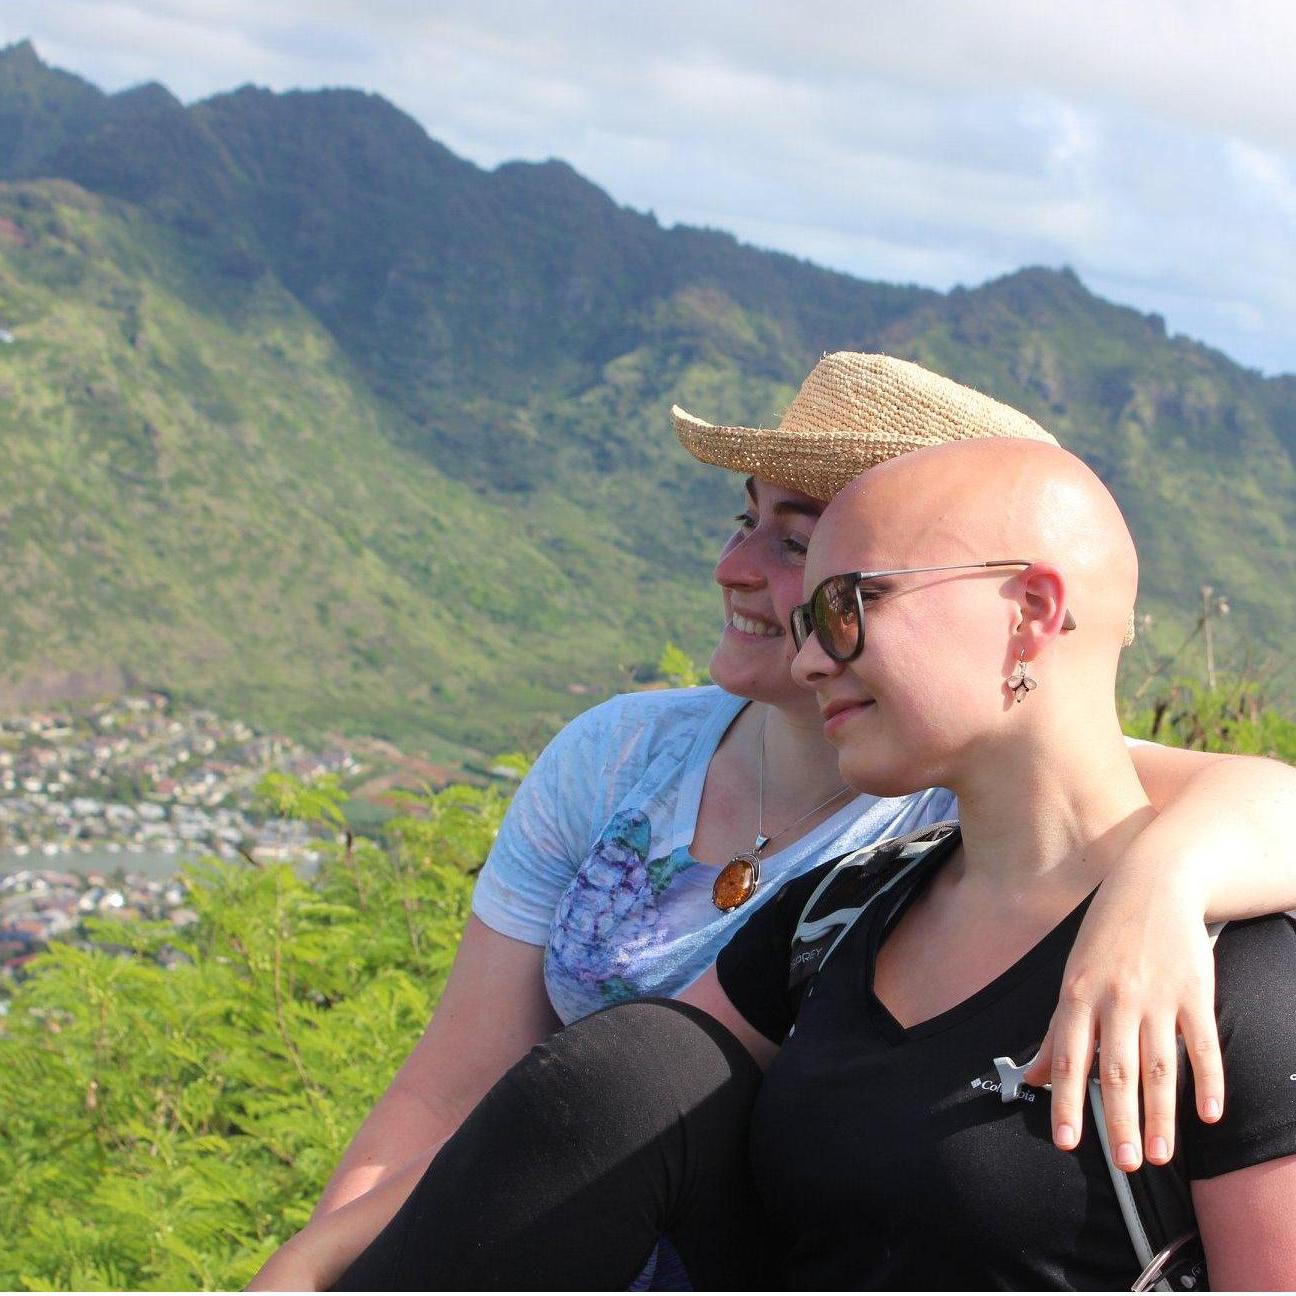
<point>760,571</point>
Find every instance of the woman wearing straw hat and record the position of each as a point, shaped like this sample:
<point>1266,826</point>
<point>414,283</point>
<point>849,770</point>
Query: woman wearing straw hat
<point>656,823</point>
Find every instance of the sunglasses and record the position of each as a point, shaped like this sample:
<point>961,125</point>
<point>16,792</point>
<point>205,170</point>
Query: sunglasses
<point>834,613</point>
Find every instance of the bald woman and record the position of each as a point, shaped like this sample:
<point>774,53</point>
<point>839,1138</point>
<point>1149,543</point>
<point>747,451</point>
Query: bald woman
<point>936,639</point>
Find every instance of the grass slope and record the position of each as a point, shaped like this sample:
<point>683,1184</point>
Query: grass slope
<point>197,491</point>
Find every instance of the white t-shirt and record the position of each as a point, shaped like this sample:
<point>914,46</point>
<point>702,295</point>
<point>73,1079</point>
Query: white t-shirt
<point>592,859</point>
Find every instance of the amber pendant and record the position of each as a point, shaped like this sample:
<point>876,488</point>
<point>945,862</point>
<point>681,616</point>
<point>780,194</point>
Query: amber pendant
<point>736,883</point>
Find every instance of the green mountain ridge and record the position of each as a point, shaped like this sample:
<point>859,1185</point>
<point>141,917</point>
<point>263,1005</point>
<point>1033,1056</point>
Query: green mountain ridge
<point>198,492</point>
<point>308,417</point>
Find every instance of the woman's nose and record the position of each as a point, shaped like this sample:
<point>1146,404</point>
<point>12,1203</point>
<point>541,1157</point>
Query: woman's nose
<point>739,564</point>
<point>812,666</point>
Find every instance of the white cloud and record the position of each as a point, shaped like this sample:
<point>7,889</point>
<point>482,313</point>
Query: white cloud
<point>1152,146</point>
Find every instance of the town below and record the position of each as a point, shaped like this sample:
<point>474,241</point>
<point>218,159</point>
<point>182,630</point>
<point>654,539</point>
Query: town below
<point>101,808</point>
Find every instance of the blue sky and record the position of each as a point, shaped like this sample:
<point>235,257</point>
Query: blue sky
<point>1151,146</point>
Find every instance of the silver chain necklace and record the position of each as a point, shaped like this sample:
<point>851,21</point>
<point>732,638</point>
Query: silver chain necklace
<point>736,883</point>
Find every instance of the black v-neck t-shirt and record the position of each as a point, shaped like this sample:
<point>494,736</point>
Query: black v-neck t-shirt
<point>885,1157</point>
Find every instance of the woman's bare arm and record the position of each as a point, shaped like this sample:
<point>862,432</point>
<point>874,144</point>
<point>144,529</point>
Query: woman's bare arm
<point>493,1010</point>
<point>315,1258</point>
<point>1248,1227</point>
<point>1141,970</point>
<point>1224,823</point>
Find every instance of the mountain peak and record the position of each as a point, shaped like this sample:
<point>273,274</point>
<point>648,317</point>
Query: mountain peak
<point>21,68</point>
<point>21,54</point>
<point>553,180</point>
<point>1059,280</point>
<point>148,96</point>
<point>551,168</point>
<point>40,109</point>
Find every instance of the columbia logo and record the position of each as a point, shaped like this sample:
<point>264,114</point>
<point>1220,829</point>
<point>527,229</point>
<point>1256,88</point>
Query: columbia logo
<point>993,1086</point>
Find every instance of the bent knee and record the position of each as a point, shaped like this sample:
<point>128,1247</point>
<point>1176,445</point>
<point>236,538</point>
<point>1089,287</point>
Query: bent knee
<point>645,1054</point>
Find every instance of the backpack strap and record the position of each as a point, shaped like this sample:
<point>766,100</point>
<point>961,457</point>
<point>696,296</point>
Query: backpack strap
<point>1156,1205</point>
<point>847,890</point>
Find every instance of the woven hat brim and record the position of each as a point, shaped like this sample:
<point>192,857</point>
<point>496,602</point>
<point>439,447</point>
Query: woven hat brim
<point>817,465</point>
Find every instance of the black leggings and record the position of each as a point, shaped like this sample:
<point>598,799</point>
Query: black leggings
<point>628,1125</point>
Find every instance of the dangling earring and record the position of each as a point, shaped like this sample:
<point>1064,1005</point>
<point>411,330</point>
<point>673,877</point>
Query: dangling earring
<point>1019,681</point>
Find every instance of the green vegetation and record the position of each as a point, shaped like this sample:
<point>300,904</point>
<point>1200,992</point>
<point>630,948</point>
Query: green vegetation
<point>167,1123</point>
<point>1231,717</point>
<point>173,1101</point>
<point>677,669</point>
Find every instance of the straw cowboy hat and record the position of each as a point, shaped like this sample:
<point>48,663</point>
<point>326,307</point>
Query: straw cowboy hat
<point>852,412</point>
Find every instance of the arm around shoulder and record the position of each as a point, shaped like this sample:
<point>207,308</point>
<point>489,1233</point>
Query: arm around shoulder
<point>1220,847</point>
<point>1226,822</point>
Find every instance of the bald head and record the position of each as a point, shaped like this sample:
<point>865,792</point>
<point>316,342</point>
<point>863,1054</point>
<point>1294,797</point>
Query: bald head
<point>997,498</point>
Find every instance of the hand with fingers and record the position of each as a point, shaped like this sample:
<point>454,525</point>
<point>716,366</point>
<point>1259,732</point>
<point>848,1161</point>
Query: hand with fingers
<point>1141,974</point>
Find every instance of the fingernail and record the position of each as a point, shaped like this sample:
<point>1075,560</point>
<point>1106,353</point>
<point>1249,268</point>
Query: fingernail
<point>1126,1154</point>
<point>1158,1149</point>
<point>1065,1136</point>
<point>1212,1109</point>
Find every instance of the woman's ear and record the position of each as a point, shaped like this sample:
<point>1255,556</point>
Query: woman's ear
<point>1042,608</point>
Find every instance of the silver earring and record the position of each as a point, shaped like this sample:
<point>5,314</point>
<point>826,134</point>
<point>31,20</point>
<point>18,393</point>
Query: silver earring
<point>1019,681</point>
